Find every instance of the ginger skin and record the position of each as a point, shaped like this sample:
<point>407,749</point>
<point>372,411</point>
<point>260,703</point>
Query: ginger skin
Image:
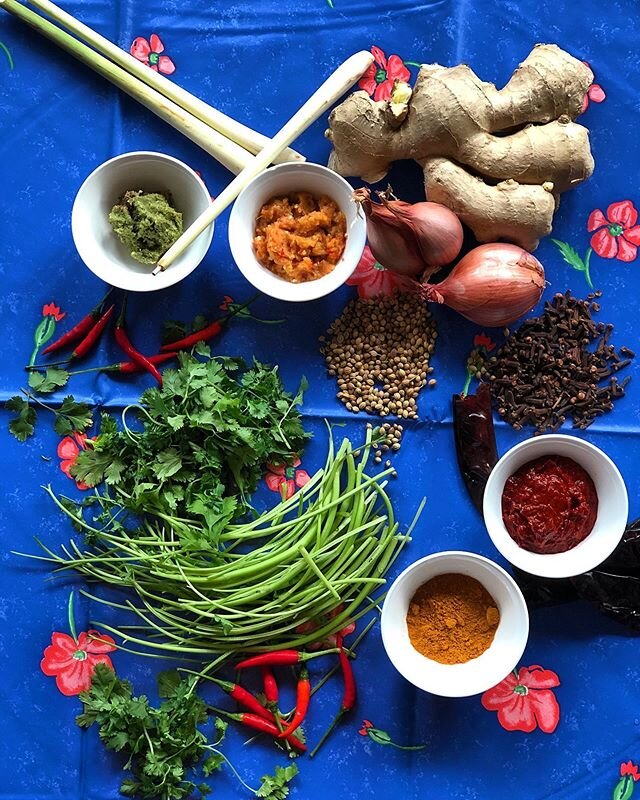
<point>499,158</point>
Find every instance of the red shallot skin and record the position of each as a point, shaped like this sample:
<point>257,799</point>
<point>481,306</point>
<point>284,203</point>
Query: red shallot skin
<point>410,238</point>
<point>437,231</point>
<point>549,505</point>
<point>493,285</point>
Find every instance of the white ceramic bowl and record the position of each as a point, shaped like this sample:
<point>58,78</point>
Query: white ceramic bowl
<point>280,180</point>
<point>479,674</point>
<point>97,244</point>
<point>613,507</point>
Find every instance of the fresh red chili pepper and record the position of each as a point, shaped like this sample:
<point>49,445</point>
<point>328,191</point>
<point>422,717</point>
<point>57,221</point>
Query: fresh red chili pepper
<point>245,698</point>
<point>271,694</point>
<point>261,724</point>
<point>125,344</point>
<point>91,339</point>
<point>302,703</point>
<point>270,687</point>
<point>349,695</point>
<point>125,366</point>
<point>199,336</point>
<point>79,330</point>
<point>282,658</point>
<point>213,329</point>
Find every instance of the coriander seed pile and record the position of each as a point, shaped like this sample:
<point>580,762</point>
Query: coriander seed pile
<point>379,349</point>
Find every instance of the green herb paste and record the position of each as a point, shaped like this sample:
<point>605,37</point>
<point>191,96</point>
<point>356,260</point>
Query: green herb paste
<point>146,223</point>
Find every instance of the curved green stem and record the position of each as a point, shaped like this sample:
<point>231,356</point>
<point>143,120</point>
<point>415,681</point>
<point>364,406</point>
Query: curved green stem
<point>7,52</point>
<point>232,768</point>
<point>587,268</point>
<point>467,384</point>
<point>406,746</point>
<point>72,621</point>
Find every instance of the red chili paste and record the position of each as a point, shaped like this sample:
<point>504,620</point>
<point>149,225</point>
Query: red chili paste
<point>549,505</point>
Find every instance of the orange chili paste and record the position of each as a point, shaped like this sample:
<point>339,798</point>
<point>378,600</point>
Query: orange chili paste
<point>300,237</point>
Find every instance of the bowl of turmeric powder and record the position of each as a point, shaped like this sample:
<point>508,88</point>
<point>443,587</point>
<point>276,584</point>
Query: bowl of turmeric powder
<point>295,231</point>
<point>454,624</point>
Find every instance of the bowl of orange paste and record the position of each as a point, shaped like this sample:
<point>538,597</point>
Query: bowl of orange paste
<point>296,233</point>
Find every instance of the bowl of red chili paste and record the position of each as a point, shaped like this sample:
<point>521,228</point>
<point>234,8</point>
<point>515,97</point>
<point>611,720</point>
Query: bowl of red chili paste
<point>555,506</point>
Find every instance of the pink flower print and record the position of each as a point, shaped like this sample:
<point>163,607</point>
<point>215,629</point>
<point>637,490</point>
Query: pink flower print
<point>615,235</point>
<point>149,52</point>
<point>285,479</point>
<point>68,451</point>
<point>379,78</point>
<point>594,94</point>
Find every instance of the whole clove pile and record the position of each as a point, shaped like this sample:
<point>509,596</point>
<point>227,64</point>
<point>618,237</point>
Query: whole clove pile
<point>379,349</point>
<point>553,367</point>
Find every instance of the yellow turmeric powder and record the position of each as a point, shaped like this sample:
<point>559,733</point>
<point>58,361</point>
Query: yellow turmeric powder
<point>452,618</point>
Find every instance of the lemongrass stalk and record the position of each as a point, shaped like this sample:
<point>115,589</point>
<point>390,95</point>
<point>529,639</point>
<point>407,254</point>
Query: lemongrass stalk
<point>331,90</point>
<point>251,140</point>
<point>228,153</point>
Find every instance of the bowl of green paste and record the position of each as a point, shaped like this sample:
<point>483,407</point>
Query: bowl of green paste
<point>130,210</point>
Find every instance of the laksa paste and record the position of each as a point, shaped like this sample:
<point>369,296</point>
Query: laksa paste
<point>300,237</point>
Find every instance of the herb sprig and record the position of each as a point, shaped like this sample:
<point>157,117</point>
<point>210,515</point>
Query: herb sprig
<point>201,444</point>
<point>164,746</point>
<point>70,417</point>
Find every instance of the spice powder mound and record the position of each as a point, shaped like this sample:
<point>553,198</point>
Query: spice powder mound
<point>452,618</point>
<point>379,349</point>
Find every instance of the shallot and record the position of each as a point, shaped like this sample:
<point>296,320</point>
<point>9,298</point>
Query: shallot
<point>410,238</point>
<point>493,285</point>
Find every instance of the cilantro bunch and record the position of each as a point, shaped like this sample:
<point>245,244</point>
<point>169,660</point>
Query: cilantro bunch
<point>202,444</point>
<point>165,747</point>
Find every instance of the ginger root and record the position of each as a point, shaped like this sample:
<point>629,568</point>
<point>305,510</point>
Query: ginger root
<point>499,158</point>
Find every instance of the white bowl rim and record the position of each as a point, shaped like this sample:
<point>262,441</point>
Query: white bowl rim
<point>552,565</point>
<point>489,565</point>
<point>254,272</point>
<point>169,277</point>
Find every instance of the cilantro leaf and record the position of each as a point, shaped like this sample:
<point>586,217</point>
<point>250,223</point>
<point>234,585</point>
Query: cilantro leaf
<point>172,331</point>
<point>168,681</point>
<point>92,467</point>
<point>167,463</point>
<point>199,322</point>
<point>275,787</point>
<point>22,425</point>
<point>48,381</point>
<point>203,349</point>
<point>72,417</point>
<point>212,764</point>
<point>175,421</point>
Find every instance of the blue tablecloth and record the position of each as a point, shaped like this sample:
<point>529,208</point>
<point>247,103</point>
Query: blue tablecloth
<point>258,60</point>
